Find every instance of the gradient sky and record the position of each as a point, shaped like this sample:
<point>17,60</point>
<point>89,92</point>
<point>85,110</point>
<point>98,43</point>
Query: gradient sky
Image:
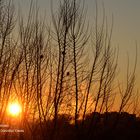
<point>126,30</point>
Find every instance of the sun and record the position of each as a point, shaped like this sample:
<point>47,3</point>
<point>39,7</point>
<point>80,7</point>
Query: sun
<point>14,109</point>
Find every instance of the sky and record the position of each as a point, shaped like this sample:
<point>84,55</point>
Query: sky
<point>126,30</point>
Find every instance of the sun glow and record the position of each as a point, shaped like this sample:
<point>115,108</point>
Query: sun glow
<point>14,109</point>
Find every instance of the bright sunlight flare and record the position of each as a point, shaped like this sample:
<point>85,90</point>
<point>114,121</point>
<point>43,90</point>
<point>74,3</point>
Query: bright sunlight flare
<point>14,109</point>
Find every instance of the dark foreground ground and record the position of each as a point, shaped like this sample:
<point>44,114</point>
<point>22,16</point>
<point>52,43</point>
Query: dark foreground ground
<point>107,126</point>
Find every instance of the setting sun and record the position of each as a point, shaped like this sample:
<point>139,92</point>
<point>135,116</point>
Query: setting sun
<point>14,109</point>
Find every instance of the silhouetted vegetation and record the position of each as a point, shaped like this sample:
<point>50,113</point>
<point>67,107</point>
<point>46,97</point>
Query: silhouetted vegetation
<point>127,128</point>
<point>64,76</point>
